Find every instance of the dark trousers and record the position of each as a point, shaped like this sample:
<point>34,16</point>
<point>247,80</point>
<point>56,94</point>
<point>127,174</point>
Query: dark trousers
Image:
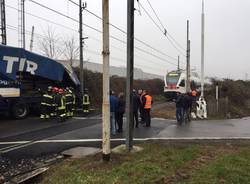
<point>142,114</point>
<point>179,114</point>
<point>45,112</point>
<point>147,117</point>
<point>135,114</point>
<point>85,108</point>
<point>119,119</point>
<point>187,112</point>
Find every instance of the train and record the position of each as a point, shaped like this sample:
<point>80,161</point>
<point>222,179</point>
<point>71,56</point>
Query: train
<point>175,82</point>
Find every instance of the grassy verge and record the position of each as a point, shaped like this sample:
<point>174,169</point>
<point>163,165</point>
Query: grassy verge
<point>158,163</point>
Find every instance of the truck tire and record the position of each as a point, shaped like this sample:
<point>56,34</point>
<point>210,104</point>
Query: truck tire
<point>20,110</point>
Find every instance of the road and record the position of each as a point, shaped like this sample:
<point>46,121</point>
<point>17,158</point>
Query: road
<point>33,137</point>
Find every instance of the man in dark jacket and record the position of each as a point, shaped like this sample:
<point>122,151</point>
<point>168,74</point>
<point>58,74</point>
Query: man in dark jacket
<point>179,108</point>
<point>120,111</point>
<point>113,109</point>
<point>136,106</point>
<point>187,105</point>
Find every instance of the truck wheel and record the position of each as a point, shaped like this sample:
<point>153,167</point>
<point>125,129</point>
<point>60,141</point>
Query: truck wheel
<point>20,110</point>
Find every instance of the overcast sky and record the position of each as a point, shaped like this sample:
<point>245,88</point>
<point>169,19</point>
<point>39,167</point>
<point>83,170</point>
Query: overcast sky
<point>227,32</point>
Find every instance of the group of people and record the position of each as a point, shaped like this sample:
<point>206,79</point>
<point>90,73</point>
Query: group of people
<point>185,103</point>
<point>58,103</point>
<point>142,103</point>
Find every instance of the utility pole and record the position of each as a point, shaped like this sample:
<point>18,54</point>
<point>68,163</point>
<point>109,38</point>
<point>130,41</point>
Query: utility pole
<point>130,74</point>
<point>32,38</point>
<point>202,48</point>
<point>81,39</point>
<point>3,22</point>
<point>188,61</point>
<point>105,104</point>
<point>21,23</point>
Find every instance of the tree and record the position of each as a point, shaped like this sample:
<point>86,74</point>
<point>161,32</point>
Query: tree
<point>71,51</point>
<point>50,44</point>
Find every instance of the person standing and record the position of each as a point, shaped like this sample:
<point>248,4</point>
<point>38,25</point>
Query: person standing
<point>46,104</point>
<point>61,106</point>
<point>147,102</point>
<point>179,108</point>
<point>120,112</point>
<point>113,109</point>
<point>141,108</point>
<point>136,107</point>
<point>86,101</point>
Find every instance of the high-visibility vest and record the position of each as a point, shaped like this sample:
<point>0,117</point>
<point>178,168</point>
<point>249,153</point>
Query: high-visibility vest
<point>148,103</point>
<point>47,100</point>
<point>85,100</point>
<point>68,99</point>
<point>62,103</point>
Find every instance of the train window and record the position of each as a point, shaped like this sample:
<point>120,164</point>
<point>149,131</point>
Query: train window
<point>182,84</point>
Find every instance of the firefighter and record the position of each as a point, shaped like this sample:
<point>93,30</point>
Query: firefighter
<point>46,104</point>
<point>68,102</point>
<point>54,105</point>
<point>61,107</point>
<point>85,101</point>
<point>73,108</point>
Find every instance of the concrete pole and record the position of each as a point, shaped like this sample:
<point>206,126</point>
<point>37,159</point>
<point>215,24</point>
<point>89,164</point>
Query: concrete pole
<point>202,48</point>
<point>23,22</point>
<point>217,97</point>
<point>130,75</point>
<point>3,22</point>
<point>188,61</point>
<point>81,45</point>
<point>106,105</point>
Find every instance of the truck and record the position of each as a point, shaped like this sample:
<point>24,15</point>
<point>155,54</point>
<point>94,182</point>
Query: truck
<point>25,75</point>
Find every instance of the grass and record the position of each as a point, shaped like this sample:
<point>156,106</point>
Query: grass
<point>158,163</point>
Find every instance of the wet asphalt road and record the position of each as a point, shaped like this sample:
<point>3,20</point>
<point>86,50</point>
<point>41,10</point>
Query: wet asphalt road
<point>32,130</point>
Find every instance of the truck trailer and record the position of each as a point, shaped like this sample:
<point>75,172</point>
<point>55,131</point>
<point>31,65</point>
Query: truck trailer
<point>24,76</point>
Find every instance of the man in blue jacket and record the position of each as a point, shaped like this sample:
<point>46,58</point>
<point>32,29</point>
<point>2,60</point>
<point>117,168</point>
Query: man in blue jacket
<point>113,108</point>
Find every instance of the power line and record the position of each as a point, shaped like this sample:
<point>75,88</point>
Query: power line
<point>164,26</point>
<point>85,34</point>
<point>163,31</point>
<point>88,50</point>
<point>124,32</point>
<point>97,30</point>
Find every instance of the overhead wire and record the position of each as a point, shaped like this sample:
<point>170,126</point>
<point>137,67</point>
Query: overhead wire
<point>88,50</point>
<point>124,32</point>
<point>97,30</point>
<point>167,33</point>
<point>93,38</point>
<point>163,31</point>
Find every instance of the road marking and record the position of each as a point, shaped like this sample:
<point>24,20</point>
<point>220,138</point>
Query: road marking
<point>17,142</point>
<point>27,143</point>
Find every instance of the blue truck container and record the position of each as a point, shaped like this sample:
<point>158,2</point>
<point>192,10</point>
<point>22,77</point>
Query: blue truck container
<point>25,75</point>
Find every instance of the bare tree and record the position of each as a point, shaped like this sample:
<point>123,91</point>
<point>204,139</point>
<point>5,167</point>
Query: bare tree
<point>50,44</point>
<point>71,51</point>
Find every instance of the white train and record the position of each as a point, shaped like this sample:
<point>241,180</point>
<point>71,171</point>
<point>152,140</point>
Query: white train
<point>175,82</point>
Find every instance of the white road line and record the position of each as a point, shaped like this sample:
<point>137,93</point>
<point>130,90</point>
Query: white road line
<point>27,143</point>
<point>17,142</point>
<point>22,144</point>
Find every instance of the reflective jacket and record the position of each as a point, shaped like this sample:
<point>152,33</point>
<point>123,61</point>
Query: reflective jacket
<point>148,102</point>
<point>85,100</point>
<point>47,100</point>
<point>68,99</point>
